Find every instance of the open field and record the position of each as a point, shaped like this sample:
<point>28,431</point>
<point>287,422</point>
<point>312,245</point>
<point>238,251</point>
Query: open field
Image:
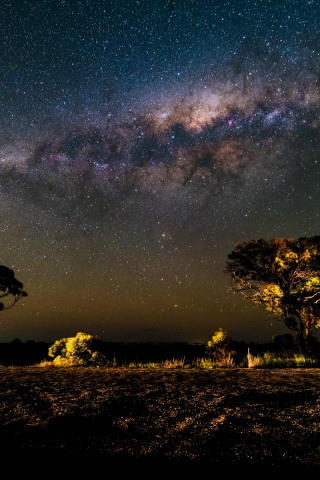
<point>231,418</point>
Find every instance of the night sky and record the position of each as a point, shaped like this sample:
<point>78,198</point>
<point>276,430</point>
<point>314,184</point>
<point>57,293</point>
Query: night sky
<point>139,142</point>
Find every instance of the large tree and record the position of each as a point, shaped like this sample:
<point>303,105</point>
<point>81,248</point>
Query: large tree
<point>10,287</point>
<point>284,276</point>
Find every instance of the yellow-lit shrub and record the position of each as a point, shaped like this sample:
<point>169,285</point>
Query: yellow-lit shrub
<point>79,351</point>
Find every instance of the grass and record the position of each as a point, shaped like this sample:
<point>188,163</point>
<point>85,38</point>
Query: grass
<point>271,360</point>
<point>206,363</point>
<point>265,360</point>
<point>44,363</point>
<point>174,363</point>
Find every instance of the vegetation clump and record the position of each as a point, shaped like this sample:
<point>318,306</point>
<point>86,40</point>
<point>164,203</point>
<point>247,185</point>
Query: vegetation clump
<point>271,360</point>
<point>83,350</point>
<point>219,348</point>
<point>174,363</point>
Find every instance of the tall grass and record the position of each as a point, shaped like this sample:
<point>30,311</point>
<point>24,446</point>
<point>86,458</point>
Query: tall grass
<point>166,364</point>
<point>45,363</point>
<point>265,360</point>
<point>174,363</point>
<point>271,360</point>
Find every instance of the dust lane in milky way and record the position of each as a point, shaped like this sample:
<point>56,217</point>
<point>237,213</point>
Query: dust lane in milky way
<point>201,144</point>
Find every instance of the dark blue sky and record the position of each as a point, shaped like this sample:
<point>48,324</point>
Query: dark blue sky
<point>94,52</point>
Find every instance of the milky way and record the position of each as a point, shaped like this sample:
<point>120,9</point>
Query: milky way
<point>212,142</point>
<point>138,148</point>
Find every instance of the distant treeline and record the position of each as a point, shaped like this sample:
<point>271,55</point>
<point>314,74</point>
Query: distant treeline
<point>29,353</point>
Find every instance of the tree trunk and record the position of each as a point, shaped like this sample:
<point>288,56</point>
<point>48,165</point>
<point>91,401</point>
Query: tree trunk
<point>300,334</point>
<point>302,343</point>
<point>309,336</point>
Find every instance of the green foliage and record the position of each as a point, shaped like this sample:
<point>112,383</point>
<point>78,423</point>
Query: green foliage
<point>206,363</point>
<point>284,276</point>
<point>58,348</point>
<point>174,363</point>
<point>271,360</point>
<point>64,362</point>
<point>79,351</point>
<point>220,337</point>
<point>219,348</point>
<point>149,365</point>
<point>265,360</point>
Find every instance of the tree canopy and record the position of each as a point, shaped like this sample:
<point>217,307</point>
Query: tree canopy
<point>284,276</point>
<point>10,286</point>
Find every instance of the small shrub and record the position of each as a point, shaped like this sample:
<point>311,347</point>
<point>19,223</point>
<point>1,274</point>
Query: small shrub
<point>301,361</point>
<point>79,351</point>
<point>219,348</point>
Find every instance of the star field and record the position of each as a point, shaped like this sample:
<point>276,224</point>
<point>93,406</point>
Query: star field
<point>139,142</point>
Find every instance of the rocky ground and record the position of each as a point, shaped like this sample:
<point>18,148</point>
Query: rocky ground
<point>224,419</point>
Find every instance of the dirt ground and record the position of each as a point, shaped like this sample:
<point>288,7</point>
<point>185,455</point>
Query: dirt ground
<point>225,419</point>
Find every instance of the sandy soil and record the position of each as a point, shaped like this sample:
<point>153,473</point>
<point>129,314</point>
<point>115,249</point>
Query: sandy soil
<point>231,418</point>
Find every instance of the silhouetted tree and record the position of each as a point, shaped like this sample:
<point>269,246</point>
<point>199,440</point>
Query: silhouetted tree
<point>285,339</point>
<point>285,344</point>
<point>284,276</point>
<point>10,286</point>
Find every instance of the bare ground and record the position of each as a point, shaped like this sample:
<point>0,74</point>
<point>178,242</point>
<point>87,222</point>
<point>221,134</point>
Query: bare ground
<point>225,419</point>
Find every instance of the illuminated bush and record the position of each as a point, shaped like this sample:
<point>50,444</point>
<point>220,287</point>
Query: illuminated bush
<point>64,362</point>
<point>219,348</point>
<point>79,351</point>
